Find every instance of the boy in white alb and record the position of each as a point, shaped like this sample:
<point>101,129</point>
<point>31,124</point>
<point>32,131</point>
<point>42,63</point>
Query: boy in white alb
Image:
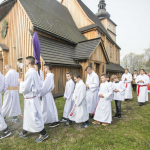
<point>102,113</point>
<point>92,85</point>
<point>79,112</point>
<point>30,88</point>
<point>3,126</point>
<point>11,104</point>
<point>127,79</point>
<point>119,92</point>
<point>68,95</point>
<point>142,92</point>
<point>49,110</point>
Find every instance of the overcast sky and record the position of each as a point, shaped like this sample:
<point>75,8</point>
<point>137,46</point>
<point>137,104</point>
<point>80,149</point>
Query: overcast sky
<point>133,20</point>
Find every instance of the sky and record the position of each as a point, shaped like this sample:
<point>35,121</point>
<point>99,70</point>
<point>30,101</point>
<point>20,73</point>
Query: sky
<point>133,23</point>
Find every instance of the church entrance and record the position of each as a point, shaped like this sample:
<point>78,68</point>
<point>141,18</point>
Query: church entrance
<point>3,58</point>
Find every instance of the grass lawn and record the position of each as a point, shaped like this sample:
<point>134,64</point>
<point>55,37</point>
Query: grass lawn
<point>130,133</point>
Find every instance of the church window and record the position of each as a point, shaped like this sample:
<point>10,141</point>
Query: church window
<point>103,69</point>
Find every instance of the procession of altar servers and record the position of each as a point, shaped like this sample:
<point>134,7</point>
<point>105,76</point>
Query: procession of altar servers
<point>74,109</point>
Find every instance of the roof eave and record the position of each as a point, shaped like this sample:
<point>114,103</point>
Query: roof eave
<point>49,33</point>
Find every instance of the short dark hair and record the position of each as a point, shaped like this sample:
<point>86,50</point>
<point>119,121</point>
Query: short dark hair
<point>77,75</point>
<point>104,75</point>
<point>127,69</point>
<point>49,65</point>
<point>88,67</point>
<point>107,76</point>
<point>31,59</point>
<point>69,73</point>
<point>143,70</point>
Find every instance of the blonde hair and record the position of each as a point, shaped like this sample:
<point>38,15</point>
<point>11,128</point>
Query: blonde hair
<point>8,66</point>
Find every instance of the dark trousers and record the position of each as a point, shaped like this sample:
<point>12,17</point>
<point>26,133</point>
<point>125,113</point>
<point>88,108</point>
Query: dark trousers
<point>5,130</point>
<point>134,87</point>
<point>118,107</point>
<point>43,132</point>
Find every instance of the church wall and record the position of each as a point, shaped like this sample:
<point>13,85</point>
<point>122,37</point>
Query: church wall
<point>78,15</point>
<point>90,35</point>
<point>18,39</point>
<point>104,22</point>
<point>111,26</point>
<point>113,36</point>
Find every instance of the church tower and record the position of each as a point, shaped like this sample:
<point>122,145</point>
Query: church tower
<point>104,17</point>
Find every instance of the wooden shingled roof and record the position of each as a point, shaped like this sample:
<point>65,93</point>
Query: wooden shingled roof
<point>84,49</point>
<point>114,68</point>
<point>51,17</point>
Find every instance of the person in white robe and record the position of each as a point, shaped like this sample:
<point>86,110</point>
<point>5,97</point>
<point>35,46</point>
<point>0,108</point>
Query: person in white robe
<point>119,92</point>
<point>68,95</point>
<point>92,85</point>
<point>79,112</point>
<point>103,113</point>
<point>110,81</point>
<point>3,126</point>
<point>142,92</point>
<point>11,104</point>
<point>127,79</point>
<point>49,110</point>
<point>30,88</point>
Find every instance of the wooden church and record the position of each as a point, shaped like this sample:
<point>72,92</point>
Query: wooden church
<point>70,34</point>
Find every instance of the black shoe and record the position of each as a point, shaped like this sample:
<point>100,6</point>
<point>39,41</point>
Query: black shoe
<point>69,122</point>
<point>140,104</point>
<point>53,125</point>
<point>119,117</point>
<point>5,134</point>
<point>92,116</point>
<point>115,116</point>
<point>63,120</point>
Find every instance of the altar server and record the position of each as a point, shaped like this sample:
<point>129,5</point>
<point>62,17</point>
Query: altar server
<point>40,72</point>
<point>30,88</point>
<point>69,89</point>
<point>92,85</point>
<point>127,79</point>
<point>119,92</point>
<point>79,112</point>
<point>49,110</point>
<point>3,126</point>
<point>142,92</point>
<point>11,105</point>
<point>110,81</point>
<point>102,113</point>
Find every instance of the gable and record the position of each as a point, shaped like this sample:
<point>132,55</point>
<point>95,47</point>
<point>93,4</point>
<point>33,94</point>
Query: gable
<point>87,49</point>
<point>78,15</point>
<point>98,55</point>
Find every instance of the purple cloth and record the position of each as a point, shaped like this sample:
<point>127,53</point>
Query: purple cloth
<point>36,48</point>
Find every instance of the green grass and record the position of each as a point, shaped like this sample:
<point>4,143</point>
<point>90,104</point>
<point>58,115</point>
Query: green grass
<point>130,133</point>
